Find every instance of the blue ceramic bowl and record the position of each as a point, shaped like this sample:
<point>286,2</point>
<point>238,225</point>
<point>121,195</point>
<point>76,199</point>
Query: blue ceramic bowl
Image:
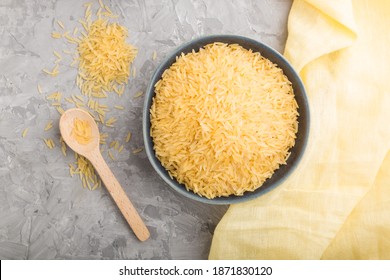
<point>303,128</point>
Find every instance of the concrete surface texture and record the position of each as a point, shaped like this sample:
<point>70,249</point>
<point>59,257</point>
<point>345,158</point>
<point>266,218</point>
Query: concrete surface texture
<point>47,214</point>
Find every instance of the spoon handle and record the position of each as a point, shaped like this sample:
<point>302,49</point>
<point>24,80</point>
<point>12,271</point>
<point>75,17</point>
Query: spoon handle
<point>118,194</point>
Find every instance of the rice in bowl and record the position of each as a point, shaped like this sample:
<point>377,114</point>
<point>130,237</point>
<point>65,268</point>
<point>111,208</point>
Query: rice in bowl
<point>223,119</point>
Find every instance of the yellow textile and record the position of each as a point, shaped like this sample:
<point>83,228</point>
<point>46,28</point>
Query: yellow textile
<point>336,205</point>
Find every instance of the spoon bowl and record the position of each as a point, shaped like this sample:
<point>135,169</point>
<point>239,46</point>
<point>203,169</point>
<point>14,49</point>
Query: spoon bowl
<point>90,150</point>
<point>66,126</point>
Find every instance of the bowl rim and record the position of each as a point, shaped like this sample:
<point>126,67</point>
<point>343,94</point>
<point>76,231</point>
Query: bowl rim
<point>148,141</point>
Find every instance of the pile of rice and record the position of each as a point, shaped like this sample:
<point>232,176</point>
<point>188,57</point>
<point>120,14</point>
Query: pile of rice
<point>105,58</point>
<point>223,120</point>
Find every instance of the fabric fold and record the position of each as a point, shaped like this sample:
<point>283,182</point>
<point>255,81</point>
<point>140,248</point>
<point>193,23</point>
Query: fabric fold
<point>360,237</point>
<point>331,23</point>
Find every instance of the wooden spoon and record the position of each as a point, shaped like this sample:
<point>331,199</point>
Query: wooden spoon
<point>91,151</point>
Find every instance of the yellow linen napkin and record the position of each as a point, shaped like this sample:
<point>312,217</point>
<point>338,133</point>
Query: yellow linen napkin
<point>336,204</point>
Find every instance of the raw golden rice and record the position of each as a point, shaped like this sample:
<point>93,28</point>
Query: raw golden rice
<point>60,24</point>
<point>128,137</point>
<point>82,131</point>
<point>56,35</point>
<point>49,143</point>
<point>136,151</point>
<point>55,96</point>
<point>24,133</point>
<point>223,120</point>
<point>39,89</point>
<point>105,57</point>
<point>60,110</point>
<point>138,94</point>
<point>49,125</point>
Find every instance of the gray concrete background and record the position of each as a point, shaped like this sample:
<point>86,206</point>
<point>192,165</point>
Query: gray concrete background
<point>45,213</point>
